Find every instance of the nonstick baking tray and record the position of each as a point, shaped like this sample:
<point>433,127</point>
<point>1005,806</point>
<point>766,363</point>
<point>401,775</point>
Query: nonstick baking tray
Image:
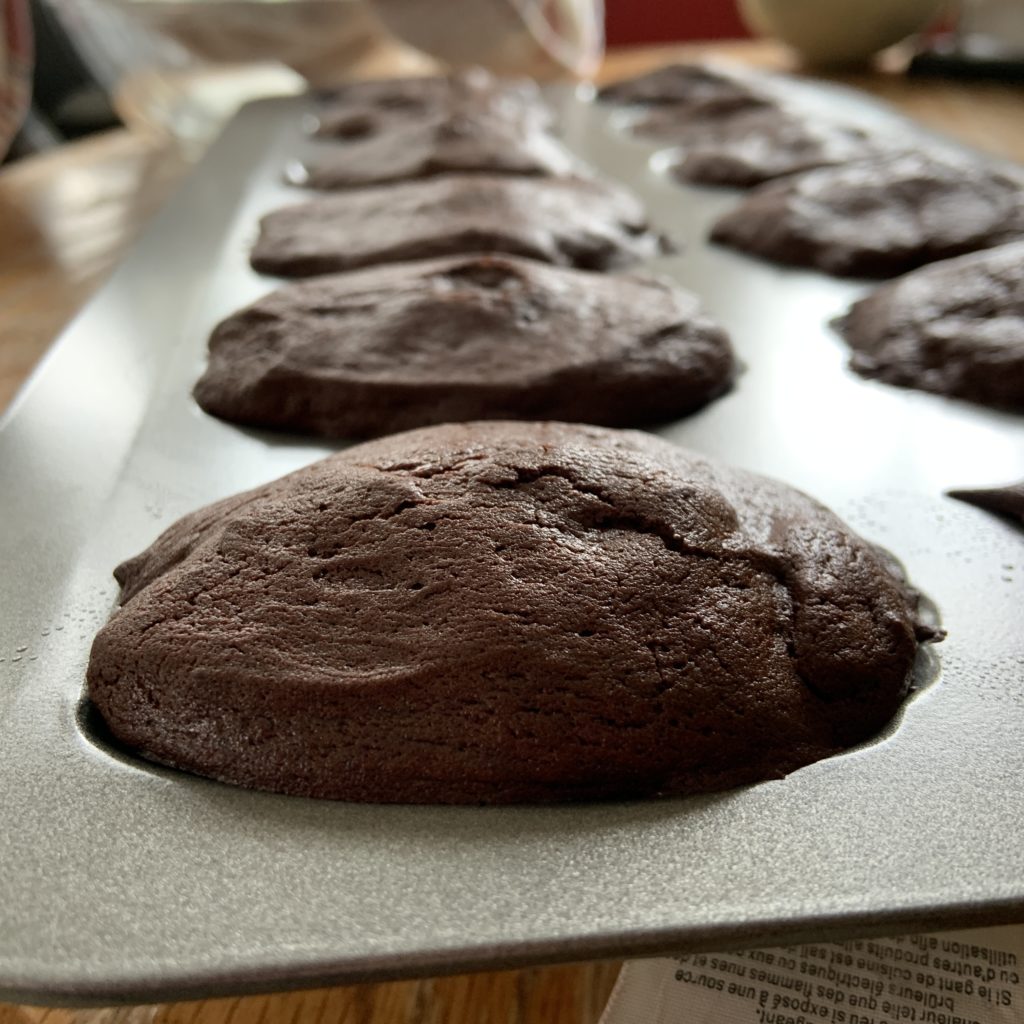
<point>122,881</point>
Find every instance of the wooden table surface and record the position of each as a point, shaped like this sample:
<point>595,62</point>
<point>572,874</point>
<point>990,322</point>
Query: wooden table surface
<point>66,218</point>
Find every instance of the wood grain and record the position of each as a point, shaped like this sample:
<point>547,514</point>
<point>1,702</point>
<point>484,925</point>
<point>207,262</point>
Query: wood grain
<point>568,994</point>
<point>67,217</point>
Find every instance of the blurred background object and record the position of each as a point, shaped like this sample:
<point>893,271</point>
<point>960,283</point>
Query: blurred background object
<point>15,69</point>
<point>635,22</point>
<point>833,33</point>
<point>325,40</point>
<point>180,68</point>
<point>542,38</point>
<point>992,27</point>
<point>321,40</point>
<point>986,41</point>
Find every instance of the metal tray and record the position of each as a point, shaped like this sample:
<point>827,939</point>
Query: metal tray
<point>124,882</point>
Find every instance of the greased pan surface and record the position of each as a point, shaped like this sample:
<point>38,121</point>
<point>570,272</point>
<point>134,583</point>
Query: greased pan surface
<point>126,882</point>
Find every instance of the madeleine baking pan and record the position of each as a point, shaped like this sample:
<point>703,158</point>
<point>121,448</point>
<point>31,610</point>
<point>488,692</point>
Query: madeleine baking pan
<point>126,882</point>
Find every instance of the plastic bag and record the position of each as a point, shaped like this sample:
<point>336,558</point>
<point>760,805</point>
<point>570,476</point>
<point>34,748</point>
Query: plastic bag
<point>330,40</point>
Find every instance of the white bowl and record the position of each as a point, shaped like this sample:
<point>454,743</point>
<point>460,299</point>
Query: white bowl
<point>836,32</point>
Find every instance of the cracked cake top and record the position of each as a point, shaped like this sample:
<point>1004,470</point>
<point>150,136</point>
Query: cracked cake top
<point>463,338</point>
<point>500,612</point>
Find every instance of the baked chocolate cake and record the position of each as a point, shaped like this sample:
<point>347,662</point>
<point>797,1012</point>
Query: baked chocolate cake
<point>752,146</point>
<point>573,222</point>
<point>360,110</point>
<point>470,337</point>
<point>457,144</point>
<point>505,612</point>
<point>1004,501</point>
<point>690,88</point>
<point>879,217</point>
<point>955,327</point>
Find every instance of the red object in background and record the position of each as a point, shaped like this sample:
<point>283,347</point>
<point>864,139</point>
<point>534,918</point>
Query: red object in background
<point>628,22</point>
<point>15,68</point>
